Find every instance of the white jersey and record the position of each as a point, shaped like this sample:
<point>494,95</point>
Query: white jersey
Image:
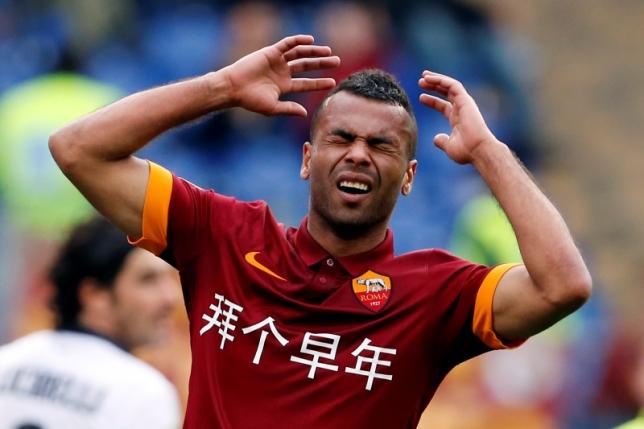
<point>68,380</point>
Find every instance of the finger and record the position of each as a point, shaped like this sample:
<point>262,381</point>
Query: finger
<point>433,86</point>
<point>429,72</point>
<point>288,43</point>
<point>308,64</point>
<point>436,103</point>
<point>442,83</point>
<point>317,84</point>
<point>302,51</point>
<point>441,140</point>
<point>289,108</point>
<point>438,75</point>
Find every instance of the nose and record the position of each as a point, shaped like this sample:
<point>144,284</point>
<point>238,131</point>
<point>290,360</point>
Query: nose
<point>358,153</point>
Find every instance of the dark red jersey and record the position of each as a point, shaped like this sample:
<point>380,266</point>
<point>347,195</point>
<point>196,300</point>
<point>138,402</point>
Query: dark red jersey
<point>284,335</point>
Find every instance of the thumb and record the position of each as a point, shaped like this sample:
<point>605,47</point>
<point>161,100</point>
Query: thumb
<point>441,140</point>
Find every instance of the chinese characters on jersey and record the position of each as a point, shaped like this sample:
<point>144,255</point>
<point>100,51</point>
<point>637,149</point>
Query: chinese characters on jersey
<point>225,326</point>
<point>318,350</point>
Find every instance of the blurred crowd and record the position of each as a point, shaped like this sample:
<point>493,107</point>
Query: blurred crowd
<point>62,58</point>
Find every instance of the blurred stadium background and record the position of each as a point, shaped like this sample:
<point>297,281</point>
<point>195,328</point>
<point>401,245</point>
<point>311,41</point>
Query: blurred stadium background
<point>562,82</point>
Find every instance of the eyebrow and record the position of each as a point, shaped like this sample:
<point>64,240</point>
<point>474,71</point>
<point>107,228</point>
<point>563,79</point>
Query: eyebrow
<point>350,137</point>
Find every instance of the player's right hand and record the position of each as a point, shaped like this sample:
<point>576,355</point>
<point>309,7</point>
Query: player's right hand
<point>259,79</point>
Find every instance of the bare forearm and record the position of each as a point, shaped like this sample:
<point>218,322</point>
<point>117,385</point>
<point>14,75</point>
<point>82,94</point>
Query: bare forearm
<point>95,151</point>
<point>120,129</point>
<point>554,281</point>
<point>548,250</point>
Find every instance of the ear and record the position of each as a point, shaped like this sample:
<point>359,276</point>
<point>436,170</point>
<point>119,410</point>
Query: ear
<point>94,299</point>
<point>408,180</point>
<point>307,148</point>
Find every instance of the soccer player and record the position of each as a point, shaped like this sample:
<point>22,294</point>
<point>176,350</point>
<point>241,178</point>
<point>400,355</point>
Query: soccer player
<point>322,325</point>
<point>109,298</point>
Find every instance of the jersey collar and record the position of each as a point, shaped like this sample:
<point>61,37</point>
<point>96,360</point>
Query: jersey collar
<point>76,327</point>
<point>312,253</point>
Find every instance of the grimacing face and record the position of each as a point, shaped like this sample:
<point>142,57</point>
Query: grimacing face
<point>358,163</point>
<point>144,297</point>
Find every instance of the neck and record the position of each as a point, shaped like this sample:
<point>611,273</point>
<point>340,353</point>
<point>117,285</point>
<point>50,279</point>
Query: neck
<point>337,244</point>
<point>94,323</point>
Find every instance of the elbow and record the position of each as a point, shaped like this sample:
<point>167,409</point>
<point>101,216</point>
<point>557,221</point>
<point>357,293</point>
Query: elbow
<point>581,289</point>
<point>63,150</point>
<point>576,290</point>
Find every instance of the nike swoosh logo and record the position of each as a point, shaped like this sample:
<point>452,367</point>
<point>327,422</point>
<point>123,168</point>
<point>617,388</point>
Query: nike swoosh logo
<point>250,258</point>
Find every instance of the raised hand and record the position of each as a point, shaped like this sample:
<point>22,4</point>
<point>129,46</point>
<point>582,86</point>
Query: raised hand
<point>260,78</point>
<point>469,130</point>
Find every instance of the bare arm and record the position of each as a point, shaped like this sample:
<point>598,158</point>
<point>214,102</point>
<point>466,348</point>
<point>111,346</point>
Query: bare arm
<point>554,281</point>
<point>95,151</point>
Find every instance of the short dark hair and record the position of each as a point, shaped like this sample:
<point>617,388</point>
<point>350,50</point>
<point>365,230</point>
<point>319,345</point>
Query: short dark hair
<point>374,84</point>
<point>94,250</point>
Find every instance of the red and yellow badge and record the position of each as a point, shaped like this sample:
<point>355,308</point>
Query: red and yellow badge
<point>372,290</point>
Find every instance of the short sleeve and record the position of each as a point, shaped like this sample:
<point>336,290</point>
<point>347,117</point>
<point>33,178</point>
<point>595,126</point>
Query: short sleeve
<point>155,210</point>
<point>175,216</point>
<point>483,320</point>
<point>180,218</point>
<point>465,298</point>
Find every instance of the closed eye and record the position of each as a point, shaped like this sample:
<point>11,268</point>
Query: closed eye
<point>383,144</point>
<point>342,135</point>
<point>376,141</point>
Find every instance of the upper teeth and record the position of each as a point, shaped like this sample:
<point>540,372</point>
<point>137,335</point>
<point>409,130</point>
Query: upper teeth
<point>355,185</point>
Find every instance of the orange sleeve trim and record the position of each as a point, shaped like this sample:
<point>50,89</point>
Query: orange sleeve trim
<point>483,322</point>
<point>154,226</point>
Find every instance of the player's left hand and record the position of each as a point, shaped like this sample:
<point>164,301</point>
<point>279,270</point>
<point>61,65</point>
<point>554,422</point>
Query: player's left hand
<point>469,130</point>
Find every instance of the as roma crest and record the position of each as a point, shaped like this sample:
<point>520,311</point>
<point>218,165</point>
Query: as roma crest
<point>372,290</point>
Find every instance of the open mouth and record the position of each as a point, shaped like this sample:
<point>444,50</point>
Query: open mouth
<point>352,187</point>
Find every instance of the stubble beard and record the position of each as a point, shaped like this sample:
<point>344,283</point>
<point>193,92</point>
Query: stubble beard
<point>355,224</point>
